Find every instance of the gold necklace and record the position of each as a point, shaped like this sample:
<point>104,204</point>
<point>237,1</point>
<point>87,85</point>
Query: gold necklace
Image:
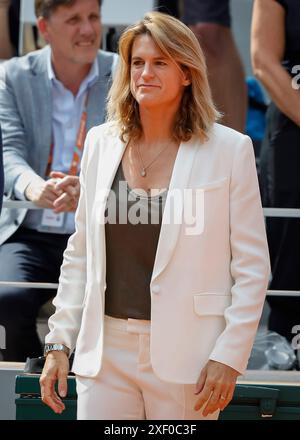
<point>143,172</point>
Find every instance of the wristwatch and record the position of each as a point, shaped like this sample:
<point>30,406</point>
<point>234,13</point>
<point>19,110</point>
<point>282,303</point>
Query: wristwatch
<point>56,347</point>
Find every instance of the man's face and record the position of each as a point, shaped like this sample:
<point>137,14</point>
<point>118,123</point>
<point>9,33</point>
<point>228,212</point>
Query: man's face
<point>74,32</point>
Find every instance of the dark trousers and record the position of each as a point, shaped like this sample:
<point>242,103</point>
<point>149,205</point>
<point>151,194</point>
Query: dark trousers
<point>280,187</point>
<point>284,244</point>
<point>27,256</point>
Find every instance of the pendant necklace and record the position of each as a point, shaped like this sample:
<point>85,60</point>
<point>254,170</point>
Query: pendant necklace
<point>143,171</point>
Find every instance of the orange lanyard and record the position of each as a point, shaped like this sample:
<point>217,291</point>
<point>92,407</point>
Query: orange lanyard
<point>78,149</point>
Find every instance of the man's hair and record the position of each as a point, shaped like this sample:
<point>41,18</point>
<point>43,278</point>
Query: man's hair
<point>44,8</point>
<point>197,111</point>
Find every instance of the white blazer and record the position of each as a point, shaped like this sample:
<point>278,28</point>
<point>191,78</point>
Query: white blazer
<point>207,288</point>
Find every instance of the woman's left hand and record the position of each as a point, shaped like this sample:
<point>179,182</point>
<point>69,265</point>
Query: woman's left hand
<point>215,387</point>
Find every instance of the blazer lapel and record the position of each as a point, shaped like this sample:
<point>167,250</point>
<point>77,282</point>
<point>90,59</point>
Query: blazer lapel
<point>172,221</point>
<point>98,92</point>
<point>109,159</point>
<point>42,113</point>
<point>96,105</point>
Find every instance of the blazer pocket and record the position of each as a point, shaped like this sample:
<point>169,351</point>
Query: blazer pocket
<point>211,304</point>
<point>213,185</point>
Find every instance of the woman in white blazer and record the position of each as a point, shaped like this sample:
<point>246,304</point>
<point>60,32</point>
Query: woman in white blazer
<point>163,313</point>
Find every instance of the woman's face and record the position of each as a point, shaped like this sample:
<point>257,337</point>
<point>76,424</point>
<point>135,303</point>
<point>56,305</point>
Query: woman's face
<point>156,81</point>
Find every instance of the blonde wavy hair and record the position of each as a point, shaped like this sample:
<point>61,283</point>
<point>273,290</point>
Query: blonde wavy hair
<point>197,112</point>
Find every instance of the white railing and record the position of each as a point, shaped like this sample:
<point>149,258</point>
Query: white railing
<point>281,212</point>
<point>30,285</point>
<point>18,204</point>
<point>268,212</point>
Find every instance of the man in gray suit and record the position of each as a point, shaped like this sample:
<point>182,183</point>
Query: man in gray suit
<point>48,100</point>
<point>1,173</point>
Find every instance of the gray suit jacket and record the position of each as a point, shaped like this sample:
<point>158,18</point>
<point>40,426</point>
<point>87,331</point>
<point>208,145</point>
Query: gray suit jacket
<point>1,173</point>
<point>26,120</point>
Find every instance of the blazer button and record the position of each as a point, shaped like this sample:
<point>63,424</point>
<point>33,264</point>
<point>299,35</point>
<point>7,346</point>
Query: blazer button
<point>156,289</point>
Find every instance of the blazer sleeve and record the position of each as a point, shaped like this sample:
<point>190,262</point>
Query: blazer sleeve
<point>14,137</point>
<point>1,173</point>
<point>250,267</point>
<point>65,323</point>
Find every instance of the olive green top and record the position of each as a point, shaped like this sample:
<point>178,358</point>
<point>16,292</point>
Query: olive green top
<point>133,222</point>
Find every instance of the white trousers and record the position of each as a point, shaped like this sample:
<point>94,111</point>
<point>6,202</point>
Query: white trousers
<point>126,387</point>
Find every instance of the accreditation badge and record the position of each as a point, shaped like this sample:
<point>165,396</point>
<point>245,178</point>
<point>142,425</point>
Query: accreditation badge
<point>52,222</point>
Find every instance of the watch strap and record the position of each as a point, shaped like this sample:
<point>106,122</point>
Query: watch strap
<point>56,347</point>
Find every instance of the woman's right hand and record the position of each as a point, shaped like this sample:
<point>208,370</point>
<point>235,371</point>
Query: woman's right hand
<point>56,368</point>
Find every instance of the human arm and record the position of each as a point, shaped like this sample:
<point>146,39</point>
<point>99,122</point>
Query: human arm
<point>267,51</point>
<point>22,181</point>
<point>69,186</point>
<point>250,270</point>
<point>60,192</point>
<point>64,325</point>
<point>215,387</point>
<point>16,139</point>
<point>1,173</point>
<point>42,193</point>
<point>56,368</point>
